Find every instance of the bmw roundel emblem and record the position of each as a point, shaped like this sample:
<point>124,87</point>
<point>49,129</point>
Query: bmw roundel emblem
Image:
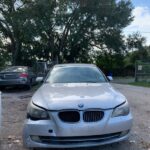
<point>80,105</point>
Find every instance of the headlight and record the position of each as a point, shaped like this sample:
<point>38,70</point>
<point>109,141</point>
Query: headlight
<point>36,113</point>
<point>122,110</point>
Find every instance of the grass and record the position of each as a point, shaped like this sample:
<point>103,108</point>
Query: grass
<point>144,84</point>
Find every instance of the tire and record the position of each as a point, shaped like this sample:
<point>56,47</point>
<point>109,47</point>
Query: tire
<point>2,88</point>
<point>33,81</point>
<point>28,86</point>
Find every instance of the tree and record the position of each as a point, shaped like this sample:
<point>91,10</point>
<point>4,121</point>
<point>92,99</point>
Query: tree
<point>135,41</point>
<point>70,32</point>
<point>60,29</point>
<point>4,57</point>
<point>13,25</point>
<point>136,49</point>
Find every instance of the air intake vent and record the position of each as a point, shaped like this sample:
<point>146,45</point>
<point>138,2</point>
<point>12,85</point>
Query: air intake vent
<point>69,116</point>
<point>93,116</point>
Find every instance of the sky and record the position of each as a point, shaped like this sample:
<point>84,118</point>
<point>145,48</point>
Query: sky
<point>141,23</point>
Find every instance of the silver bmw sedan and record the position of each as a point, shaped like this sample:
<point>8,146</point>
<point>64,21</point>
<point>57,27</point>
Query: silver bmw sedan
<point>76,107</point>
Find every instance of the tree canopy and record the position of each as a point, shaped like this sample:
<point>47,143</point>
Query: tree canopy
<point>60,29</point>
<point>68,31</point>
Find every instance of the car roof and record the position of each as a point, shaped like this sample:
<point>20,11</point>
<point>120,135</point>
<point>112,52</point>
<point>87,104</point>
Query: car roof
<point>75,65</point>
<point>17,67</point>
<point>14,68</point>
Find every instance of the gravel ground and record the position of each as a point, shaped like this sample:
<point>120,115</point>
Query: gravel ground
<point>14,111</point>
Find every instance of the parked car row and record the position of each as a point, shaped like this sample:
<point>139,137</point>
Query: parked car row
<point>17,76</point>
<point>73,97</point>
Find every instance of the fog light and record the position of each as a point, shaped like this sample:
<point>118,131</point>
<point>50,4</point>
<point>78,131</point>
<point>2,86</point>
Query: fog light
<point>35,138</point>
<point>124,133</point>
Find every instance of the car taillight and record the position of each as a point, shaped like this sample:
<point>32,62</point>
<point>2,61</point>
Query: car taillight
<point>23,75</point>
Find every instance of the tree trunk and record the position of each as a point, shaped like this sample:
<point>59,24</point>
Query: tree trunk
<point>15,52</point>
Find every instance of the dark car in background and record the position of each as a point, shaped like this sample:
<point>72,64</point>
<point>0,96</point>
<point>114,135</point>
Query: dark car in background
<point>17,76</point>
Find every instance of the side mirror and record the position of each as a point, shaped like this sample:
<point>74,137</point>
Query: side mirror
<point>39,79</point>
<point>110,78</point>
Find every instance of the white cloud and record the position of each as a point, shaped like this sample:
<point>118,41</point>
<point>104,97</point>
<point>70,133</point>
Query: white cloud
<point>141,23</point>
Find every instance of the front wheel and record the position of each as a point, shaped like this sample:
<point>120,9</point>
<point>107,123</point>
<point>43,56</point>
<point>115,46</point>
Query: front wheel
<point>28,86</point>
<point>2,88</point>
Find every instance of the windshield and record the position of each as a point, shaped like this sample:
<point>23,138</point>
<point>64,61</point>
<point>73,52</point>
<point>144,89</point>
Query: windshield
<point>76,75</point>
<point>15,69</point>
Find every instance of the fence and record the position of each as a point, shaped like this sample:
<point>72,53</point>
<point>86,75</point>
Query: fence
<point>142,71</point>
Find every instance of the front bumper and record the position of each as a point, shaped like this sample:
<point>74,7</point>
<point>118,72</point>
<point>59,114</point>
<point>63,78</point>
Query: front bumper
<point>57,134</point>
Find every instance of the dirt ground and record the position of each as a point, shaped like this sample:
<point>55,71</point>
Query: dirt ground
<point>14,104</point>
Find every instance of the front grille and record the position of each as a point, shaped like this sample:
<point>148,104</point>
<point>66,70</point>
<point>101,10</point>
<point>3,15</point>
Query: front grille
<point>74,116</point>
<point>69,116</point>
<point>93,116</point>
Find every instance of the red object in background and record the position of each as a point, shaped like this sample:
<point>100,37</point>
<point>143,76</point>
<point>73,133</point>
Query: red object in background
<point>23,75</point>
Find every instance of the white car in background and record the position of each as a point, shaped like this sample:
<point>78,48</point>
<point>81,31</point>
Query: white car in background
<point>76,107</point>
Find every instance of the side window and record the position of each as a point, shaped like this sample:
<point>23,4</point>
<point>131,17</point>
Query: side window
<point>30,70</point>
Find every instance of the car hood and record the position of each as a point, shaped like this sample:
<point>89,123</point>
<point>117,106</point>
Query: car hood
<point>70,96</point>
